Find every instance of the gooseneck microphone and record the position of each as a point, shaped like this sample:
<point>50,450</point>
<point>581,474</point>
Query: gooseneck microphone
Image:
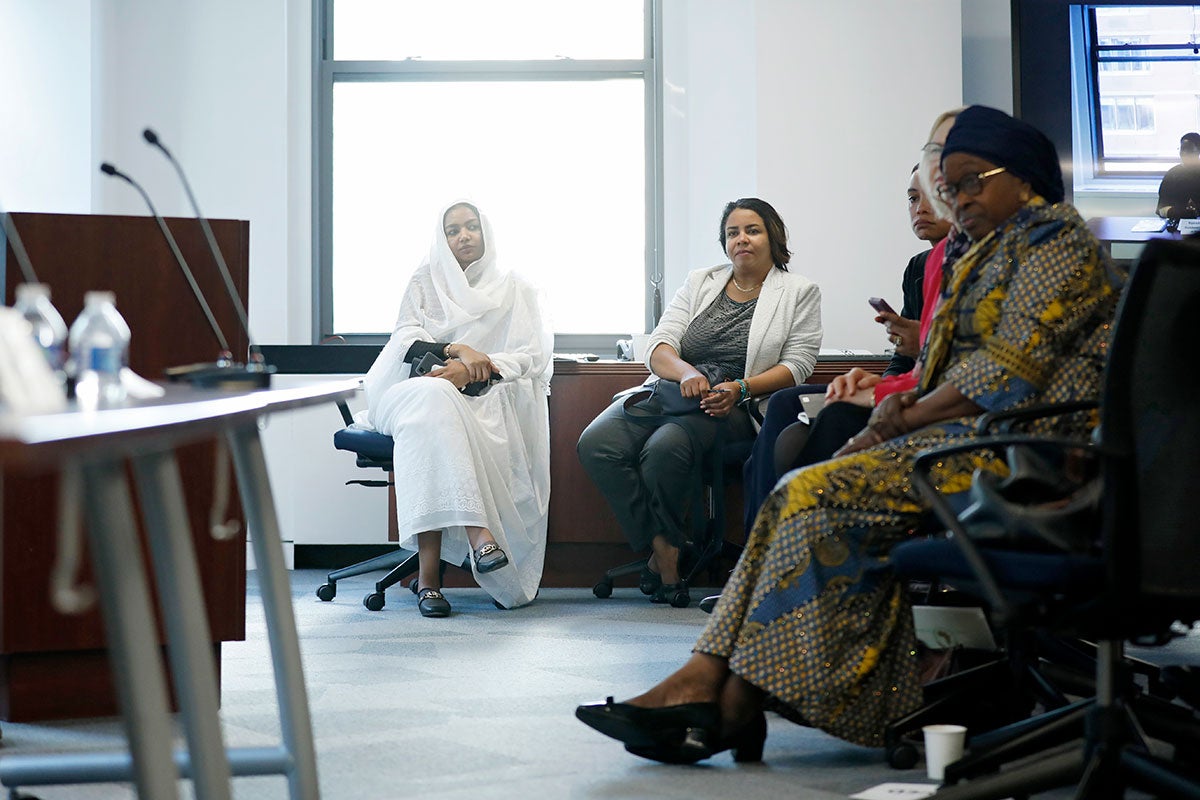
<point>255,354</point>
<point>18,247</point>
<point>226,356</point>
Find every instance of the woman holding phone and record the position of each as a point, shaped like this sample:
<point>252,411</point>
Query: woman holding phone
<point>732,335</point>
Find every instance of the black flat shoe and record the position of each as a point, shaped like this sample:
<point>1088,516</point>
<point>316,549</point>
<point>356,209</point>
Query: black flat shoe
<point>490,557</point>
<point>674,593</point>
<point>690,730</point>
<point>649,580</point>
<point>746,744</point>
<point>432,603</point>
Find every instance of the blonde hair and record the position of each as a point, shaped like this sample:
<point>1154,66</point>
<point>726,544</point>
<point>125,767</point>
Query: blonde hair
<point>931,156</point>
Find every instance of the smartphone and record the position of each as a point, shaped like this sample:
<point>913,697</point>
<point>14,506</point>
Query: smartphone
<point>879,304</point>
<point>427,363</point>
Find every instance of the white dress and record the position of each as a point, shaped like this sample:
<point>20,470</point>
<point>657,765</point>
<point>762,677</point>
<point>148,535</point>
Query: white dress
<point>471,461</point>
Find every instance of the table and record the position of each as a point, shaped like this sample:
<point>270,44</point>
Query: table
<point>98,444</point>
<point>1120,229</point>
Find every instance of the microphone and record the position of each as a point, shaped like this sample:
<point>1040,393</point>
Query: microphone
<point>256,356</point>
<point>9,230</point>
<point>222,370</point>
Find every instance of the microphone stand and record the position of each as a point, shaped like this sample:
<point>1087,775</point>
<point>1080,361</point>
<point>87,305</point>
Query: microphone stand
<point>224,371</point>
<point>256,363</point>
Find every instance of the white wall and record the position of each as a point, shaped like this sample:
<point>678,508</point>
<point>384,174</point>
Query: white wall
<point>843,111</point>
<point>46,112</point>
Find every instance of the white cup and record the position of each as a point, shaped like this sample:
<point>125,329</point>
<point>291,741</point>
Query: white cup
<point>639,346</point>
<point>943,745</point>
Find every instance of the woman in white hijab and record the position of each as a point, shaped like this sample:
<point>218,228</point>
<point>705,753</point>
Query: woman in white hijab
<point>472,457</point>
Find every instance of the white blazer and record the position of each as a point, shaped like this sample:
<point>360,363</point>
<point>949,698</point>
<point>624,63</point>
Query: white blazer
<point>786,327</point>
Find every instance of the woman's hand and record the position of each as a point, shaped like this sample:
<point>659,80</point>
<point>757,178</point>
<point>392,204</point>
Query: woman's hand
<point>720,399</point>
<point>856,386</point>
<point>479,366</point>
<point>887,422</point>
<point>904,334</point>
<point>692,383</point>
<point>454,371</point>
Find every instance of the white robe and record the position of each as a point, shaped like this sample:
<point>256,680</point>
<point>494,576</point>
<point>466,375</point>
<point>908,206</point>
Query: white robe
<point>471,461</point>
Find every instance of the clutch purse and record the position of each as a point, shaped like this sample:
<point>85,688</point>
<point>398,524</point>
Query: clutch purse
<point>428,362</point>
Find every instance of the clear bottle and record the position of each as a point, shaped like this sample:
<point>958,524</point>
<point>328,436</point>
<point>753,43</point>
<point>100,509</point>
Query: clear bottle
<point>99,341</point>
<point>49,330</point>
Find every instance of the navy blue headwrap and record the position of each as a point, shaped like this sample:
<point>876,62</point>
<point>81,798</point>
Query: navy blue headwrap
<point>1007,142</point>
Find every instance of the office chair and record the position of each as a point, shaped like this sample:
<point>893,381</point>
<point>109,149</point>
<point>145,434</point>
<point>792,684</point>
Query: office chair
<point>708,544</point>
<point>1124,572</point>
<point>373,450</point>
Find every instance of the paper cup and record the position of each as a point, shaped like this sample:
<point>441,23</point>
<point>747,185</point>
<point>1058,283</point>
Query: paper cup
<point>943,745</point>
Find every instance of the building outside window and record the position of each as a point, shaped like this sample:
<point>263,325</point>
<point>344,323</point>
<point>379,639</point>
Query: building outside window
<point>1142,85</point>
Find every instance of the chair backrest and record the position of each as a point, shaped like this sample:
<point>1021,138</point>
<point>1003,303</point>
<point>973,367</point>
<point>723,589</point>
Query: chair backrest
<point>1150,435</point>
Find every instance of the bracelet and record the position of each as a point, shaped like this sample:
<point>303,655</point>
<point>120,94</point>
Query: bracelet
<point>745,387</point>
<point>446,351</point>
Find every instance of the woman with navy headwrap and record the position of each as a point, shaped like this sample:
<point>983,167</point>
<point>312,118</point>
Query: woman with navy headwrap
<point>813,623</point>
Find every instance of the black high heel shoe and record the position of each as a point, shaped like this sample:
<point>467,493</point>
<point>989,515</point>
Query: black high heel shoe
<point>690,731</point>
<point>746,744</point>
<point>649,580</point>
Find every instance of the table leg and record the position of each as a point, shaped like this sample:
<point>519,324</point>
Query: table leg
<point>130,629</point>
<point>189,640</point>
<point>291,695</point>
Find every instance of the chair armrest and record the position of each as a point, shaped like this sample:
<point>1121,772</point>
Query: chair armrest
<point>347,417</point>
<point>1001,608</point>
<point>1004,420</point>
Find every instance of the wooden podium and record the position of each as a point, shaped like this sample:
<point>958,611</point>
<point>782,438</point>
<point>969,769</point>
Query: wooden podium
<point>53,665</point>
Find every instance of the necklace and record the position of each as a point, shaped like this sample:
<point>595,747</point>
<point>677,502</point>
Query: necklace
<point>743,288</point>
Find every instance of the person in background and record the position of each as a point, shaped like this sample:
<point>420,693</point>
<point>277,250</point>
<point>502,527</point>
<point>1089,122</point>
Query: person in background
<point>1179,192</point>
<point>757,327</point>
<point>813,622</point>
<point>840,420</point>
<point>472,459</point>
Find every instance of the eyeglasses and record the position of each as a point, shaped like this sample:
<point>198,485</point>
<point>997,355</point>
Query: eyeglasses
<point>971,185</point>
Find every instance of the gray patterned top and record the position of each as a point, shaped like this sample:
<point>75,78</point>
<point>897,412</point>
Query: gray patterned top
<point>720,334</point>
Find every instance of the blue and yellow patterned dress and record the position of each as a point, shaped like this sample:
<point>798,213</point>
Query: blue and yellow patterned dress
<point>812,614</point>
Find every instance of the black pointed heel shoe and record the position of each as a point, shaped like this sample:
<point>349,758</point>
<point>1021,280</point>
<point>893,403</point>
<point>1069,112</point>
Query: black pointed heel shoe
<point>649,580</point>
<point>690,730</point>
<point>746,745</point>
<point>490,557</point>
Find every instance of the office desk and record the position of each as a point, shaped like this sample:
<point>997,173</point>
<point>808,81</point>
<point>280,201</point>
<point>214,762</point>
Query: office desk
<point>97,445</point>
<point>1120,229</point>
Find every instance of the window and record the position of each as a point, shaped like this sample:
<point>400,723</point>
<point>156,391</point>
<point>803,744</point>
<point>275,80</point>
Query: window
<point>540,111</point>
<point>1139,84</point>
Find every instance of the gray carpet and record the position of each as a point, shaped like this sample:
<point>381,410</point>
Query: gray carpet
<point>479,705</point>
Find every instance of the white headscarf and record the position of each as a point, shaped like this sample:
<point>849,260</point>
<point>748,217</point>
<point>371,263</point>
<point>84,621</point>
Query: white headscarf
<point>484,306</point>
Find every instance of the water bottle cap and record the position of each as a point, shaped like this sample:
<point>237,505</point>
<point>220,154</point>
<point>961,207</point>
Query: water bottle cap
<point>91,298</point>
<point>32,291</point>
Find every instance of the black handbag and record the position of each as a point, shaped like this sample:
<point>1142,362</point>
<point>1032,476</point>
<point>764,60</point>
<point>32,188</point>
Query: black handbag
<point>665,398</point>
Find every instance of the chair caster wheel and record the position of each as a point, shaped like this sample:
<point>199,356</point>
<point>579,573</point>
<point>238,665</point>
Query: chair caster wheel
<point>680,598</point>
<point>327,591</point>
<point>602,589</point>
<point>373,601</point>
<point>709,603</point>
<point>412,585</point>
<point>902,756</point>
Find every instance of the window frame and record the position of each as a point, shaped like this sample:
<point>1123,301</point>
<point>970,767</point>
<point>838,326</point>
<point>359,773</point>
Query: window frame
<point>327,72</point>
<point>1096,54</point>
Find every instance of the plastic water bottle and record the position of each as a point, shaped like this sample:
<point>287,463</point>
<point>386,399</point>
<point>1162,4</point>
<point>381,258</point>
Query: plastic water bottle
<point>99,341</point>
<point>49,330</point>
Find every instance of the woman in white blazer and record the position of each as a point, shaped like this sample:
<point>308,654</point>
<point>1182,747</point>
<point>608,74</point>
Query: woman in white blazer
<point>732,335</point>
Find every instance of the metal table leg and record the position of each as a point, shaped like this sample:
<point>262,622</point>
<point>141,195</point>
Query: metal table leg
<point>188,635</point>
<point>130,628</point>
<point>291,695</point>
